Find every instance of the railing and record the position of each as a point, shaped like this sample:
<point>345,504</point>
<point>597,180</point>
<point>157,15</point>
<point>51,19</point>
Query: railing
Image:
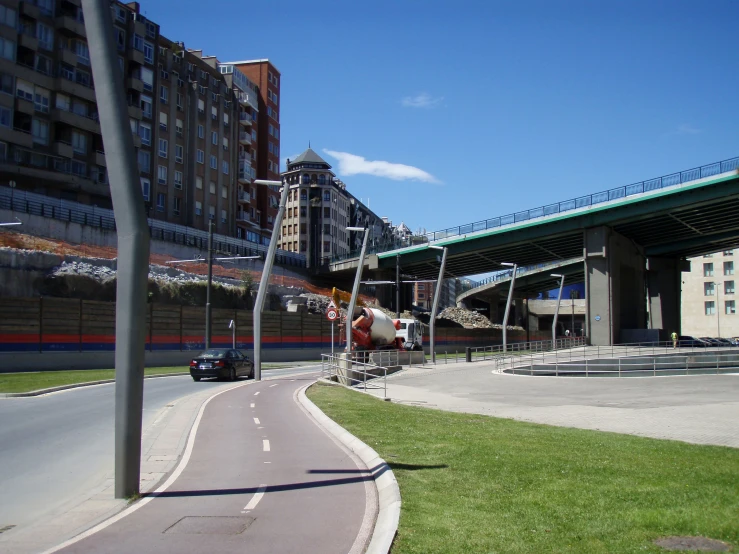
<point>568,205</point>
<point>38,204</point>
<point>354,373</point>
<point>622,360</point>
<point>482,353</point>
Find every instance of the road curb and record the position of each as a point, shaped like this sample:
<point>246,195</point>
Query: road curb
<point>388,493</point>
<point>39,392</point>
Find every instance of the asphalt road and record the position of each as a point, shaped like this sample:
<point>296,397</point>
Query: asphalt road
<point>262,478</point>
<point>58,446</point>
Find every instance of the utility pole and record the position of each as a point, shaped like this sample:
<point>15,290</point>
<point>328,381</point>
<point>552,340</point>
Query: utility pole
<point>133,245</point>
<point>397,286</point>
<point>508,304</point>
<point>208,321</point>
<point>435,306</point>
<point>355,291</point>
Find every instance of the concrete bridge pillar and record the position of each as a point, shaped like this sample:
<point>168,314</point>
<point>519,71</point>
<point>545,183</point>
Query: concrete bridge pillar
<point>663,292</point>
<point>615,272</point>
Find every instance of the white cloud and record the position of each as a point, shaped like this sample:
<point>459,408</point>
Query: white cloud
<point>351,164</point>
<point>423,100</point>
<point>686,129</point>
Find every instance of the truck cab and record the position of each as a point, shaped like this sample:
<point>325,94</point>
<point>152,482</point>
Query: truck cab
<point>411,333</point>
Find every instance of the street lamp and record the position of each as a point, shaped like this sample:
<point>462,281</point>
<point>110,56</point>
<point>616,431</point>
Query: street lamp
<point>266,272</point>
<point>16,222</point>
<point>556,311</point>
<point>355,291</point>
<point>232,325</point>
<point>573,295</point>
<point>508,303</point>
<point>435,307</point>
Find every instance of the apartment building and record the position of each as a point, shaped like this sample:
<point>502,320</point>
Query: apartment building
<point>709,296</point>
<point>50,140</point>
<point>266,132</point>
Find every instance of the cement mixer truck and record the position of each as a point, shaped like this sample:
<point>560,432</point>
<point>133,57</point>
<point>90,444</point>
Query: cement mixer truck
<point>372,329</point>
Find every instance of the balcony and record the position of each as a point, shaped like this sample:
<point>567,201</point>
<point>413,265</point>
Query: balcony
<point>30,10</point>
<point>249,99</point>
<point>136,56</point>
<point>63,149</point>
<point>245,119</point>
<point>244,138</point>
<point>68,56</point>
<point>24,106</point>
<point>136,141</point>
<point>243,218</point>
<point>76,89</point>
<point>134,83</point>
<point>244,196</point>
<point>100,158</point>
<point>135,112</point>
<point>28,41</point>
<point>76,120</point>
<point>70,23</point>
<point>16,136</point>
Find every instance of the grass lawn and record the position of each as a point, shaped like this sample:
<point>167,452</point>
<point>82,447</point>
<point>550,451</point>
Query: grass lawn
<point>24,382</point>
<point>472,483</point>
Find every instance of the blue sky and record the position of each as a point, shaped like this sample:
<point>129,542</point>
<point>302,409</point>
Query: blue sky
<point>442,113</point>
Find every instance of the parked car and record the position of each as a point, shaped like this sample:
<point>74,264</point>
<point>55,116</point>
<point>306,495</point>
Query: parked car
<point>224,363</point>
<point>693,342</point>
<point>713,341</point>
<point>724,342</point>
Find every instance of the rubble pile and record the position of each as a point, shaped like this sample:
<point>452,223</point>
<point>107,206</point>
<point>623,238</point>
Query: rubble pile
<point>470,319</point>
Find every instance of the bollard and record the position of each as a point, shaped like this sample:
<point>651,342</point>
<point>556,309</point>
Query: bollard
<point>468,354</point>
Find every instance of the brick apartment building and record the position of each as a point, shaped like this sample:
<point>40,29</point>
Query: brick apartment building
<point>196,123</point>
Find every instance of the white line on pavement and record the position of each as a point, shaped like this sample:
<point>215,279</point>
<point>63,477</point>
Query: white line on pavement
<point>265,445</point>
<point>256,420</point>
<point>257,393</point>
<point>273,385</point>
<point>252,405</point>
<point>256,498</point>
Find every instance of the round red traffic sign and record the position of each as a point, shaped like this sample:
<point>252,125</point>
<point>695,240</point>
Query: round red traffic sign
<point>331,315</point>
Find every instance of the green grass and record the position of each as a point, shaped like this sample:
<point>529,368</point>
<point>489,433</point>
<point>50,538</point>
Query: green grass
<point>472,483</point>
<point>24,382</point>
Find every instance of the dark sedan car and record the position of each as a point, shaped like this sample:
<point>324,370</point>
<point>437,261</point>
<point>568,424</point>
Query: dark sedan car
<point>688,341</point>
<point>224,363</point>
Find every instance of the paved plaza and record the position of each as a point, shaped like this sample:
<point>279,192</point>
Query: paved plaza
<point>698,409</point>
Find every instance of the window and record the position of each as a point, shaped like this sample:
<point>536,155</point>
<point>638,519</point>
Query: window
<point>708,270</point>
<point>147,77</point>
<point>148,52</point>
<point>178,179</point>
<point>710,307</point>
<point>138,42</point>
<point>178,153</point>
<point>225,119</point>
<point>326,228</point>
<point>327,195</point>
<point>225,143</point>
<point>212,187</point>
<point>41,100</point>
<point>145,133</point>
<point>201,157</point>
<point>45,36</point>
<point>178,126</point>
<point>728,252</point>
<point>82,78</point>
<point>151,29</point>
<point>163,94</point>
<point>146,188</point>
<point>6,83</point>
<point>7,16</point>
<point>302,228</point>
<point>120,14</point>
<point>214,113</point>
<point>708,289</point>
<point>213,162</point>
<point>201,90</point>
<point>145,104</point>
<point>201,131</point>
<point>728,287</point>
<point>211,213</point>
<point>201,106</point>
<point>162,174</point>
<point>163,146</point>
<point>224,192</point>
<point>177,202</point>
<point>224,167</point>
<point>63,102</point>
<point>326,246</point>
<point>120,39</point>
<point>40,131</point>
<point>24,90</point>
<point>198,208</point>
<point>79,142</point>
<point>198,182</point>
<point>327,213</point>
<point>321,179</point>
<point>163,121</point>
<point>161,201</point>
<point>214,137</point>
<point>728,268</point>
<point>144,161</point>
<point>6,119</point>
<point>179,101</point>
<point>730,307</point>
<point>303,211</point>
<point>7,49</point>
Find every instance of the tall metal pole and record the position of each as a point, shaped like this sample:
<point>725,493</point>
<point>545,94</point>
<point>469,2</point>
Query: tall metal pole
<point>266,273</point>
<point>208,321</point>
<point>233,339</point>
<point>556,310</point>
<point>397,286</point>
<point>355,293</point>
<point>508,306</point>
<point>718,311</point>
<point>435,307</point>
<point>573,295</point>
<point>133,245</point>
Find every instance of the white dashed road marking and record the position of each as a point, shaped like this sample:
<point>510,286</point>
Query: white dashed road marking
<point>256,498</point>
<point>256,420</point>
<point>265,445</point>
<point>273,385</point>
<point>257,393</point>
<point>252,405</point>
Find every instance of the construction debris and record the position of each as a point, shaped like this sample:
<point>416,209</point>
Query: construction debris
<point>470,319</point>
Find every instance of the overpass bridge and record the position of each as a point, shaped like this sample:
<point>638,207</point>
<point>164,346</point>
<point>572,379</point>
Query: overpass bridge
<point>633,241</point>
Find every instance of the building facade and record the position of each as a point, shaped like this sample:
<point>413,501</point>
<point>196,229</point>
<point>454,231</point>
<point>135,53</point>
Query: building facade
<point>708,299</point>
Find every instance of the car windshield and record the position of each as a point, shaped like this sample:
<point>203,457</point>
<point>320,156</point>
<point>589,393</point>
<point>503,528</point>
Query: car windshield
<point>212,354</point>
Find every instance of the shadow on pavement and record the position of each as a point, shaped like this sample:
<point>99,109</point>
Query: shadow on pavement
<point>393,465</point>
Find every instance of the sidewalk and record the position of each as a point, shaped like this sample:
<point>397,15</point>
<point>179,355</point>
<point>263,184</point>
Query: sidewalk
<point>696,409</point>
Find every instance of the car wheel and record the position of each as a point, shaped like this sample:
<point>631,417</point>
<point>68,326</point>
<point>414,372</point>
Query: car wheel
<point>233,374</point>
<point>196,379</point>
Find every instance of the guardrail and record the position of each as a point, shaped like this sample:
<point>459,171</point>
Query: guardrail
<point>642,187</point>
<point>625,359</point>
<point>351,372</point>
<point>482,353</point>
<point>65,210</point>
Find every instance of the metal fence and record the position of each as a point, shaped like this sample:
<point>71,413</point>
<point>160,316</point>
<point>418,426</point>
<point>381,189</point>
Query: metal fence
<point>482,353</point>
<point>351,372</point>
<point>640,359</point>
<point>65,210</point>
